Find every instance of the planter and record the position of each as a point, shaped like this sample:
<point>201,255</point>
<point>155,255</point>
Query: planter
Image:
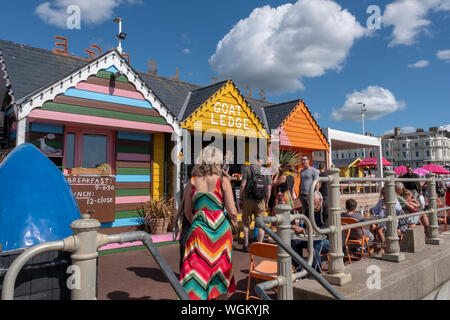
<point>159,226</point>
<point>85,171</point>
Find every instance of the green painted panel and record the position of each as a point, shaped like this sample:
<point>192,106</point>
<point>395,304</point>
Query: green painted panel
<point>126,214</point>
<point>59,107</point>
<point>110,76</point>
<point>132,192</point>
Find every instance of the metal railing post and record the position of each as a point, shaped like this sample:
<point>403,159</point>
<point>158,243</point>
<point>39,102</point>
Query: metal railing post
<point>392,246</point>
<point>433,228</point>
<point>336,274</point>
<point>284,260</point>
<point>84,258</point>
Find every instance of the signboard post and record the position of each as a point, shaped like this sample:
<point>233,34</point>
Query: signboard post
<point>97,194</point>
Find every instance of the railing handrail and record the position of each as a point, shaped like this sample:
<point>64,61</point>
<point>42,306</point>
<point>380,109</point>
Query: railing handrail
<point>261,287</point>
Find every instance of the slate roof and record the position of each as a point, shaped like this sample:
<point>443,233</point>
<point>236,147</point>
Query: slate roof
<point>30,69</point>
<point>277,113</point>
<point>199,96</point>
<point>171,93</point>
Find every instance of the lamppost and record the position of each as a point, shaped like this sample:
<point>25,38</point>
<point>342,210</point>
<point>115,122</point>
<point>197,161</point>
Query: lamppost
<point>363,109</point>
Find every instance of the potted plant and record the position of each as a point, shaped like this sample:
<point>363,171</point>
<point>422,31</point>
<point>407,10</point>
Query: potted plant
<point>156,215</point>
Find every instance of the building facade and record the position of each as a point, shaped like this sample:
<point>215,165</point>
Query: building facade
<point>418,148</point>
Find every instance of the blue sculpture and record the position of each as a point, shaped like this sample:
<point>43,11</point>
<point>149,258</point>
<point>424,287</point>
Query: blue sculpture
<point>36,202</point>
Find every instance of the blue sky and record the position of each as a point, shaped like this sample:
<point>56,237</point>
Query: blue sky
<point>318,50</point>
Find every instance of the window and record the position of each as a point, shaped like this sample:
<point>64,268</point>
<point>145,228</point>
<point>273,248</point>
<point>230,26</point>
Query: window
<point>404,154</point>
<point>356,154</point>
<point>387,153</point>
<point>417,153</point>
<point>427,143</point>
<point>88,148</point>
<point>403,145</point>
<point>428,153</point>
<point>416,144</point>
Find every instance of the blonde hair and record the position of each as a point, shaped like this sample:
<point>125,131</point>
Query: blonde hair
<point>209,162</point>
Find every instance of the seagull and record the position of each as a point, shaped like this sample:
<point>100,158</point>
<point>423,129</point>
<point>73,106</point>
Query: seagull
<point>45,148</point>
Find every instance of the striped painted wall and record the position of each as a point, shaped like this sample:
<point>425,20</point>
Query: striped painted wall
<point>103,96</point>
<point>133,176</point>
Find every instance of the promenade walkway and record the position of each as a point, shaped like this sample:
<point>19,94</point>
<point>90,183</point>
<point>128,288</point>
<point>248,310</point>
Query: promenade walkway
<point>135,275</point>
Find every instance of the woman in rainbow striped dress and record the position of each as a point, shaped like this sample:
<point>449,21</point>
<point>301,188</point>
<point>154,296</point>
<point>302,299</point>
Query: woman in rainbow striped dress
<point>207,271</point>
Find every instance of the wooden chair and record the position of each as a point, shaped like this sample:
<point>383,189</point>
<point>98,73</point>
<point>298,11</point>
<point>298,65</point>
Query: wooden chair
<point>363,242</point>
<point>267,268</point>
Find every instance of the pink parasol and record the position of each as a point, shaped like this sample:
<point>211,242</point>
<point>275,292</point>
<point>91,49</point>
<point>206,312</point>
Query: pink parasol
<point>435,169</point>
<point>400,170</point>
<point>420,171</point>
<point>372,162</point>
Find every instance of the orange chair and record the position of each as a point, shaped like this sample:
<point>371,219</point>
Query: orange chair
<point>267,268</point>
<point>363,242</point>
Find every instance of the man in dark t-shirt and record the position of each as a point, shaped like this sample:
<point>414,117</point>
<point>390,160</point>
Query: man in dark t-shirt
<point>414,187</point>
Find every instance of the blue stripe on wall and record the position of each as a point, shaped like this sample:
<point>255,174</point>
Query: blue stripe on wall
<point>126,222</point>
<point>134,136</point>
<point>9,111</point>
<point>133,178</point>
<point>107,98</point>
<point>47,128</point>
<point>111,69</point>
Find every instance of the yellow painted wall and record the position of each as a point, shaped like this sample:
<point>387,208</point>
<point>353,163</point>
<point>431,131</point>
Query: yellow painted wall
<point>158,165</point>
<point>227,111</point>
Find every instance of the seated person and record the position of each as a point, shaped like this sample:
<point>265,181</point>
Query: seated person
<point>355,234</point>
<point>380,209</point>
<point>410,205</point>
<point>299,245</point>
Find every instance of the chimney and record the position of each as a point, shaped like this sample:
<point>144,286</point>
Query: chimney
<point>396,131</point>
<point>420,130</point>
<point>434,129</point>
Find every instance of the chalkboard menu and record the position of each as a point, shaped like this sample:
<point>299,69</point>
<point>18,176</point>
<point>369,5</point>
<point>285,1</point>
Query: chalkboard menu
<point>96,194</point>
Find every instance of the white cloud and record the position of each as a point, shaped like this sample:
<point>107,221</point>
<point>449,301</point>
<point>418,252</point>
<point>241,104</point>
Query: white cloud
<point>92,12</point>
<point>379,102</point>
<point>443,55</point>
<point>275,48</point>
<point>419,64</point>
<point>408,17</point>
<point>187,51</point>
<point>316,115</point>
<point>402,130</point>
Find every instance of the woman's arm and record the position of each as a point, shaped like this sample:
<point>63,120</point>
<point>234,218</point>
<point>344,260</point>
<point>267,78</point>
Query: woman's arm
<point>228,198</point>
<point>280,180</point>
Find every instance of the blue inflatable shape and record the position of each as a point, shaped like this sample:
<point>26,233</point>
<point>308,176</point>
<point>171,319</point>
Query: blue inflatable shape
<point>36,202</point>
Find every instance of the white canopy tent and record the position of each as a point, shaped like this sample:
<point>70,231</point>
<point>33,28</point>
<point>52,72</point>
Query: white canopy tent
<point>342,140</point>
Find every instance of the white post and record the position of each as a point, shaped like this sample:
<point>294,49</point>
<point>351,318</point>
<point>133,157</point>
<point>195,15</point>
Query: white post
<point>21,131</point>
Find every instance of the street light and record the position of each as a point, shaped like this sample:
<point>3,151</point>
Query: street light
<point>363,109</point>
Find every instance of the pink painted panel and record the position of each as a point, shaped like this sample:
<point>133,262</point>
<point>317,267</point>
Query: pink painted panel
<point>111,91</point>
<point>133,157</point>
<point>102,123</point>
<point>155,238</point>
<point>132,199</point>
